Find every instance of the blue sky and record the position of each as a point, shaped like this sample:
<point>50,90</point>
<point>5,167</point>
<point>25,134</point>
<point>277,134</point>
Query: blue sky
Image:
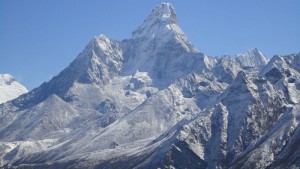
<point>39,38</point>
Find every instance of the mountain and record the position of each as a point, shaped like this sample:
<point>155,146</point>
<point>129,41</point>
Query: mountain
<point>154,101</point>
<point>253,58</point>
<point>10,88</point>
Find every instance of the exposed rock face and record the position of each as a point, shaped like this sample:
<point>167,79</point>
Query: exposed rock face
<point>154,101</point>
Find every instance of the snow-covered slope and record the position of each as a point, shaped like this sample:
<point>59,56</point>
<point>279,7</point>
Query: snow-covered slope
<point>10,88</point>
<point>154,101</point>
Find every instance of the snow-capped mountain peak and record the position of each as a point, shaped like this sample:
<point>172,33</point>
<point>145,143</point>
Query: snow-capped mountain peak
<point>153,101</point>
<point>159,18</point>
<point>162,26</point>
<point>6,79</point>
<point>165,12</point>
<point>10,88</point>
<point>253,58</point>
<point>160,21</point>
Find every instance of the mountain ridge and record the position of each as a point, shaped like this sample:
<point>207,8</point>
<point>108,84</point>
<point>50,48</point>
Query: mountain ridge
<point>155,101</point>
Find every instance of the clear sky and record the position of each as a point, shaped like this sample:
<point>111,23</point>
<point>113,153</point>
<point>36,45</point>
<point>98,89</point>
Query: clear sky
<point>39,38</point>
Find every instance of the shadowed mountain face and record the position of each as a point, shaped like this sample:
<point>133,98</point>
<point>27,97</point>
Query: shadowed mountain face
<point>154,101</point>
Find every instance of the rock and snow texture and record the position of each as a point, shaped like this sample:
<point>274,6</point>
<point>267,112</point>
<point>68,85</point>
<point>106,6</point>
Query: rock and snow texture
<point>162,24</point>
<point>154,101</point>
<point>10,88</point>
<point>253,58</point>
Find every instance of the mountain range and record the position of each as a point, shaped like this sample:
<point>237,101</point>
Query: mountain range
<point>154,101</point>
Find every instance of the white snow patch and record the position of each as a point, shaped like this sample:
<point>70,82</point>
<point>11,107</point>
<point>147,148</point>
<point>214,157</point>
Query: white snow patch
<point>10,88</point>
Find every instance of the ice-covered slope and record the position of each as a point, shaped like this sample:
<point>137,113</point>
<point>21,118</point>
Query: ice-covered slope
<point>10,88</point>
<point>154,101</point>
